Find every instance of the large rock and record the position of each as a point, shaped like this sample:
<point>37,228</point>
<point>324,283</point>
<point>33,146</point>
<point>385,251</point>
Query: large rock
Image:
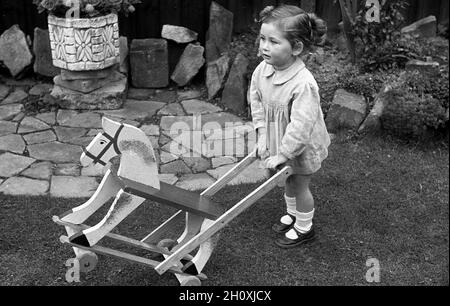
<point>11,164</point>
<point>124,65</point>
<point>24,186</point>
<point>218,37</point>
<point>149,63</point>
<point>425,27</point>
<point>215,75</point>
<point>178,34</point>
<point>234,95</point>
<point>88,85</point>
<point>43,63</point>
<point>347,111</point>
<point>68,75</point>
<point>111,96</point>
<point>14,50</point>
<point>189,64</point>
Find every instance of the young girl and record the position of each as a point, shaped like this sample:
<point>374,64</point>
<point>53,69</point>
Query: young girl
<point>286,112</point>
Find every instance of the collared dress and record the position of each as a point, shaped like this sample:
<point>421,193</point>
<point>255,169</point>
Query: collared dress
<point>287,104</point>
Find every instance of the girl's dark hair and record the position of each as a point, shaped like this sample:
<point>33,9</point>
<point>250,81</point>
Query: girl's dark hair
<point>297,24</point>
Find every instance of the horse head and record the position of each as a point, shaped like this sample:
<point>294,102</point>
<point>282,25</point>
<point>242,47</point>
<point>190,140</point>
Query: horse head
<point>104,146</point>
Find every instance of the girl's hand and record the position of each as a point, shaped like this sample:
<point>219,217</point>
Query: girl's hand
<point>262,143</point>
<point>274,161</point>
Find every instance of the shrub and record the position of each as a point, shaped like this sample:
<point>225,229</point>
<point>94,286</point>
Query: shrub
<point>365,84</point>
<point>426,84</point>
<point>407,114</point>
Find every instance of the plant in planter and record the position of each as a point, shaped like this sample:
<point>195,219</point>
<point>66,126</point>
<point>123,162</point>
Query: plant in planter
<point>84,39</point>
<point>90,41</point>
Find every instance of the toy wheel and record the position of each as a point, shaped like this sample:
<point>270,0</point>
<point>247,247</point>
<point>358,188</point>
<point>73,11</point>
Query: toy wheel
<point>191,281</point>
<point>88,261</point>
<point>167,244</point>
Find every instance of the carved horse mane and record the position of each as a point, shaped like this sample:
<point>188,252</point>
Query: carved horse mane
<point>137,158</point>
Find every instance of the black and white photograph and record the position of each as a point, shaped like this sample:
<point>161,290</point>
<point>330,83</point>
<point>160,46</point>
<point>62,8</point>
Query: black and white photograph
<point>244,147</point>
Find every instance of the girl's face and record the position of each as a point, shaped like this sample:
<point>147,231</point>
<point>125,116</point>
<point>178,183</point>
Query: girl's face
<point>275,48</point>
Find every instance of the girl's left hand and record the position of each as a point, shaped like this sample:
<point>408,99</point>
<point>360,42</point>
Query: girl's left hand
<point>274,161</point>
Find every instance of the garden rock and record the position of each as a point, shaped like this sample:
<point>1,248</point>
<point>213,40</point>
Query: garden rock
<point>189,64</point>
<point>110,96</point>
<point>14,50</point>
<point>11,164</point>
<point>429,67</point>
<point>234,94</point>
<point>149,63</point>
<point>218,36</point>
<point>16,96</point>
<point>124,65</point>
<point>373,120</point>
<point>178,34</point>
<point>24,186</point>
<point>347,111</point>
<point>424,28</point>
<point>43,63</point>
<point>13,143</point>
<point>215,75</point>
<point>73,187</point>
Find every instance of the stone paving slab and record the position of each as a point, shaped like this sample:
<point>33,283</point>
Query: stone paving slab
<point>31,124</point>
<point>49,118</point>
<point>9,111</point>
<point>135,110</point>
<point>40,137</point>
<point>83,120</point>
<point>12,164</point>
<point>41,171</point>
<point>13,143</point>
<point>67,170</point>
<point>168,178</point>
<point>65,134</point>
<point>16,96</point>
<point>195,182</point>
<point>253,174</point>
<point>56,152</point>
<point>73,187</point>
<point>195,106</point>
<point>24,186</point>
<point>7,127</point>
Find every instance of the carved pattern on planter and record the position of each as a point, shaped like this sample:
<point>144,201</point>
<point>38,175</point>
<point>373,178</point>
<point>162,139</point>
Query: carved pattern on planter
<point>84,44</point>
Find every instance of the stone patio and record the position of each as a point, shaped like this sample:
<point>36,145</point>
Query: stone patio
<point>39,154</point>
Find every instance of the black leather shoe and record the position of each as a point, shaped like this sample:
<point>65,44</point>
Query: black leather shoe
<point>281,228</point>
<point>287,243</point>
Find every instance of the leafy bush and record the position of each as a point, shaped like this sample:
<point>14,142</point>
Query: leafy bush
<point>364,84</point>
<point>381,42</point>
<point>435,85</point>
<point>88,8</point>
<point>407,114</point>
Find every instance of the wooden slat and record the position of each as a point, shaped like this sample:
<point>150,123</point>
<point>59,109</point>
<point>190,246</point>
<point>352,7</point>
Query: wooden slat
<point>176,197</point>
<point>224,219</point>
<point>130,241</point>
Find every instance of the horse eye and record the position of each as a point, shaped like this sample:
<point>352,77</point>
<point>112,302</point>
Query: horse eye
<point>102,142</point>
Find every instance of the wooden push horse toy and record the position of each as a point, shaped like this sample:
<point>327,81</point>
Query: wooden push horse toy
<point>136,180</point>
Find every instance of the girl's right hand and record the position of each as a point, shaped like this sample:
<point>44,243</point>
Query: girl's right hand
<point>262,143</point>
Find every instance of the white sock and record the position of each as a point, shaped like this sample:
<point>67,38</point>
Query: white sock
<point>291,205</point>
<point>303,224</point>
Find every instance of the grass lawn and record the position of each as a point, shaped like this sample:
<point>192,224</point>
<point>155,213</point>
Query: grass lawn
<point>375,198</point>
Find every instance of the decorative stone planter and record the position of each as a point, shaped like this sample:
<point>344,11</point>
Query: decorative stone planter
<point>80,44</point>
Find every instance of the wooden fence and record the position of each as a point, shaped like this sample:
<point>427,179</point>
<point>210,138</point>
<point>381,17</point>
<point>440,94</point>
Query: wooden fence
<point>151,15</point>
